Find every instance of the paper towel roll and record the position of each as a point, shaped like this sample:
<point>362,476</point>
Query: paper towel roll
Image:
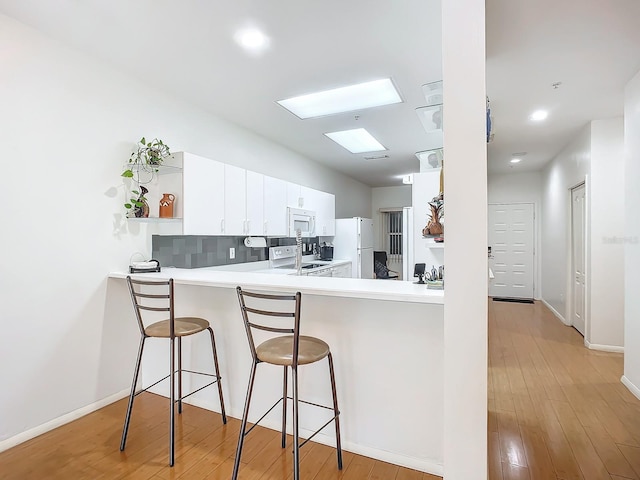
<point>255,242</point>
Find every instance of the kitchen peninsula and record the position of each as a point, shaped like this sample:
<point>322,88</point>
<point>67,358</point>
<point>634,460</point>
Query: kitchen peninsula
<point>386,338</point>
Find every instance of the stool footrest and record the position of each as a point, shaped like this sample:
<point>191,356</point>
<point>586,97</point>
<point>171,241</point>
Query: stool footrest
<point>320,429</point>
<point>244,434</point>
<point>176,400</point>
<point>217,379</point>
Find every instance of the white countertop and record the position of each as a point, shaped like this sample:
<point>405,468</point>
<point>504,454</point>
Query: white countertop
<point>390,290</point>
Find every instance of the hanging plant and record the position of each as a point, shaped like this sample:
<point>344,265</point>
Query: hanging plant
<point>147,158</point>
<point>142,167</point>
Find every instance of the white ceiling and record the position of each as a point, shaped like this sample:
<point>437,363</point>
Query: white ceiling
<point>187,49</point>
<point>591,46</point>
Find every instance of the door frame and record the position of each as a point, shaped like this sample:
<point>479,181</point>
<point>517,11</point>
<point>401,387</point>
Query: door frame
<point>569,310</point>
<point>536,246</point>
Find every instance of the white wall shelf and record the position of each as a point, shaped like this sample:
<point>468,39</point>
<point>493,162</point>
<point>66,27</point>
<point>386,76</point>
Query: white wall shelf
<point>154,219</point>
<point>431,244</point>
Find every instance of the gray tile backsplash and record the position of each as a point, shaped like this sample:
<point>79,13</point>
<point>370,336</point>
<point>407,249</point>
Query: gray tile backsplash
<point>195,251</point>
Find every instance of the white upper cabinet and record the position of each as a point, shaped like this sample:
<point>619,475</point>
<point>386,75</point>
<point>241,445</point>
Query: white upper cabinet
<point>324,204</point>
<point>275,207</point>
<point>235,200</point>
<point>256,205</point>
<point>294,196</point>
<point>214,198</point>
<point>202,195</point>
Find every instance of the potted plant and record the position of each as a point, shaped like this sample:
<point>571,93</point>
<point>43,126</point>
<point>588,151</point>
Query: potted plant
<point>147,157</point>
<point>142,166</point>
<point>138,207</point>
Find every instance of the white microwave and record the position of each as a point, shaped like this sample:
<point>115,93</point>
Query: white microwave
<point>303,220</point>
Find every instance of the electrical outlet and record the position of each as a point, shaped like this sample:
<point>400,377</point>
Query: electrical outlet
<point>232,253</point>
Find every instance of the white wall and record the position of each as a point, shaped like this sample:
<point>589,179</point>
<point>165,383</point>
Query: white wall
<point>606,285</point>
<point>68,124</point>
<point>465,309</point>
<point>566,170</point>
<point>595,156</point>
<point>521,188</point>
<point>632,233</point>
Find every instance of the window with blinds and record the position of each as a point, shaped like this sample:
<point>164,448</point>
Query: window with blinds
<point>392,234</point>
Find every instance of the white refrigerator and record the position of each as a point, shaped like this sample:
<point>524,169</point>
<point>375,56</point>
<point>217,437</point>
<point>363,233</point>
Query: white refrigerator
<point>354,241</point>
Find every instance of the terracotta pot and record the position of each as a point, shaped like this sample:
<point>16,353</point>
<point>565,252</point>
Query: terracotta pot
<point>166,205</point>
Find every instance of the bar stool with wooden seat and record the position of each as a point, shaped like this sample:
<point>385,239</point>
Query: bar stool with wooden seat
<point>288,351</point>
<point>157,296</point>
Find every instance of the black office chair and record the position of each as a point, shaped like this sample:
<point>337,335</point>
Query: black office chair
<point>380,267</point>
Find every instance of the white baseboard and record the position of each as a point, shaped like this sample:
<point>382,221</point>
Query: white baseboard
<point>554,311</point>
<point>632,388</point>
<point>604,348</point>
<point>58,422</point>
<point>420,464</point>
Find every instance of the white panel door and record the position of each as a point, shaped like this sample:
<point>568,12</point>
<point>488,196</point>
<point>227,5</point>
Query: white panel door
<point>511,238</point>
<point>578,213</point>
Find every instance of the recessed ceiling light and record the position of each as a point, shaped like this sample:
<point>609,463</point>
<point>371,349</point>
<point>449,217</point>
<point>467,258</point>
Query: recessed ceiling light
<point>252,40</point>
<point>343,99</point>
<point>539,115</point>
<point>516,160</point>
<point>357,140</point>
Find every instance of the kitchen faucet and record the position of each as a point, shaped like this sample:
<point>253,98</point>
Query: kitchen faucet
<point>299,251</point>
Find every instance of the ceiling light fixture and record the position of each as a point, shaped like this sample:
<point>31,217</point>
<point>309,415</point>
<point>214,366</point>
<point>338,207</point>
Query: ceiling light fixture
<point>539,115</point>
<point>252,40</point>
<point>430,158</point>
<point>357,140</point>
<point>516,160</point>
<point>344,99</point>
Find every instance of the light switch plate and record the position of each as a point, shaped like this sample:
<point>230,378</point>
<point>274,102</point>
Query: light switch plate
<point>232,253</point>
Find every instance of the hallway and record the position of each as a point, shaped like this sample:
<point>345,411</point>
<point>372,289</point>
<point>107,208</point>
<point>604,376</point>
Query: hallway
<point>556,409</point>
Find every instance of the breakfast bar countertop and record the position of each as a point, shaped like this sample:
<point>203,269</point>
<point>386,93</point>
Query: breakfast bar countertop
<point>390,290</point>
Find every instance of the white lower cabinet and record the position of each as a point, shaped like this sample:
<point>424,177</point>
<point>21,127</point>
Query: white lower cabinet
<point>341,271</point>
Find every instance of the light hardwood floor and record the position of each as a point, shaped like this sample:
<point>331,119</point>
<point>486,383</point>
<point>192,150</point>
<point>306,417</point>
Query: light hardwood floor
<point>88,448</point>
<point>556,409</point>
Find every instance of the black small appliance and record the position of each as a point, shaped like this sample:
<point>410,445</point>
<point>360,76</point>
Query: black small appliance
<point>326,252</point>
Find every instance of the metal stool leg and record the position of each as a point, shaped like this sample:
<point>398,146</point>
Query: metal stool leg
<point>136,372</point>
<point>215,364</point>
<point>284,408</point>
<point>172,394</point>
<point>336,412</point>
<point>179,374</point>
<point>243,426</point>
<point>296,433</point>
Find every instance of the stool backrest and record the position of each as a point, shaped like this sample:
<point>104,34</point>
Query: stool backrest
<point>252,315</point>
<point>154,296</point>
